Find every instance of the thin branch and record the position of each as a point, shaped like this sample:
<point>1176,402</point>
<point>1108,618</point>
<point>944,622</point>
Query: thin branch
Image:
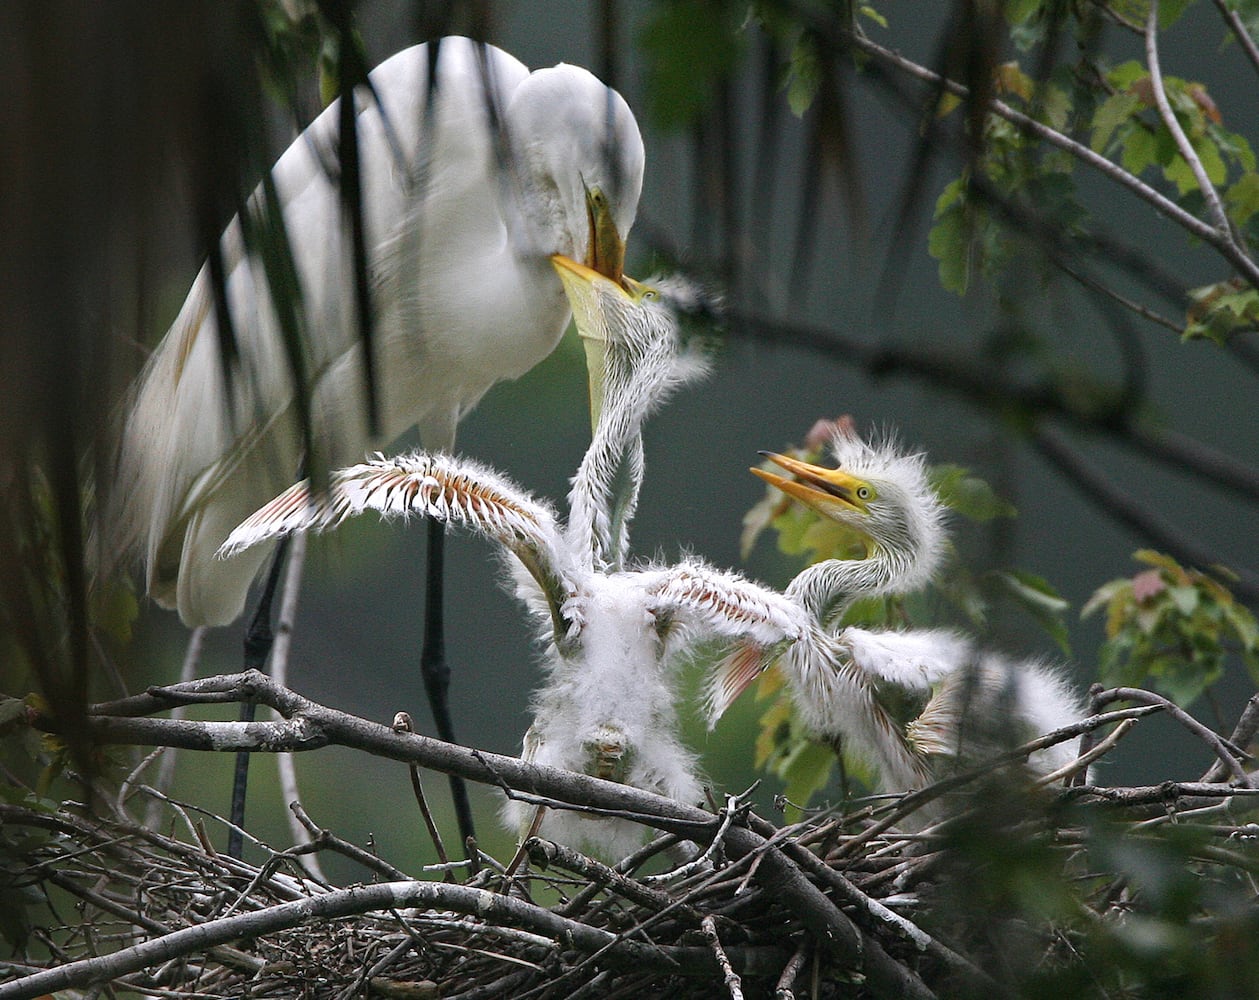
<point>1081,763</point>
<point>402,724</point>
<point>319,837</point>
<point>914,801</point>
<point>1183,144</point>
<point>1243,733</point>
<point>784,990</point>
<point>166,773</point>
<point>730,978</point>
<point>1238,28</point>
<point>1210,738</point>
<point>1166,793</point>
<point>983,387</point>
<point>279,668</point>
<point>1131,512</point>
<point>544,853</point>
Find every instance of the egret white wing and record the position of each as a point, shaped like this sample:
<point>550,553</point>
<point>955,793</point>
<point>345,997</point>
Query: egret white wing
<point>914,659</point>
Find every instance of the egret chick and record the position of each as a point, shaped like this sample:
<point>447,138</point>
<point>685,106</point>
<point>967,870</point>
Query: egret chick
<point>613,636</point>
<point>842,680</point>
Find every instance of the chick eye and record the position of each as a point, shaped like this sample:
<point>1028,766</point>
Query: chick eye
<point>651,295</point>
<point>864,493</point>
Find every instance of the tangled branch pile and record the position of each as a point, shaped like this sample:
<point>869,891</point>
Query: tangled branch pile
<point>1031,889</point>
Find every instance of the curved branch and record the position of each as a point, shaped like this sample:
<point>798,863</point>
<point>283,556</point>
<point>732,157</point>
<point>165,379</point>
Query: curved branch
<point>1142,697</point>
<point>1234,22</point>
<point>1183,144</point>
<point>490,906</point>
<point>1131,512</point>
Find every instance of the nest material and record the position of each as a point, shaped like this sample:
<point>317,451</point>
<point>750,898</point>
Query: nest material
<point>709,929</point>
<point>1016,877</point>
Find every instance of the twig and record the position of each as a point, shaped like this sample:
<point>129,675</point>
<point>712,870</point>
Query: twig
<point>1221,241</point>
<point>714,847</point>
<point>166,773</point>
<point>916,800</point>
<point>1239,32</point>
<point>784,988</point>
<point>320,838</point>
<point>279,669</point>
<point>544,853</point>
<point>1243,733</point>
<point>1166,792</point>
<point>1127,510</point>
<point>1209,194</point>
<point>1081,763</point>
<point>1212,739</point>
<point>730,978</point>
<point>402,724</point>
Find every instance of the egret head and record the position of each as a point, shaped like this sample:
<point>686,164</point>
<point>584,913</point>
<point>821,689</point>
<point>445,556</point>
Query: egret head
<point>879,491</point>
<point>584,156</point>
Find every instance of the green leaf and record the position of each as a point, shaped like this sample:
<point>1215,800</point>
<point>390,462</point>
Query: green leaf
<point>967,494</point>
<point>1126,74</point>
<point>804,76</point>
<point>1037,597</point>
<point>1140,151</point>
<point>1242,198</point>
<point>1116,110</point>
<point>869,12</point>
<point>806,772</point>
<point>949,243</point>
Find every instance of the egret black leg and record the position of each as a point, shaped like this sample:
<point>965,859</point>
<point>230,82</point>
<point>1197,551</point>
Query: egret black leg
<point>435,672</point>
<point>259,638</point>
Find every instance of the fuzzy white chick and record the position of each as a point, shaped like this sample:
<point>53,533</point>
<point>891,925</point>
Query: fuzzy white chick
<point>844,681</point>
<point>614,636</point>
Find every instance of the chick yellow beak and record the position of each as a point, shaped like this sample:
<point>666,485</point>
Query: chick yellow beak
<point>827,491</point>
<point>582,285</point>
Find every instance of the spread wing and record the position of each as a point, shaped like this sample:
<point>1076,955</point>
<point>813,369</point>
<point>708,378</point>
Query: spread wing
<point>454,491</point>
<point>717,604</point>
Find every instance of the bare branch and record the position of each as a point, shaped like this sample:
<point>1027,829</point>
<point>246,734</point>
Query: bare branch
<point>1211,739</point>
<point>729,976</point>
<point>1183,144</point>
<point>1239,32</point>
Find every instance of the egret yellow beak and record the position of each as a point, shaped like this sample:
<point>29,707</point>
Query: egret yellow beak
<point>827,491</point>
<point>605,251</point>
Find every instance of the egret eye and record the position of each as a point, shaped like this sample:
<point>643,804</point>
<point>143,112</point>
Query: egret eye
<point>864,493</point>
<point>651,295</point>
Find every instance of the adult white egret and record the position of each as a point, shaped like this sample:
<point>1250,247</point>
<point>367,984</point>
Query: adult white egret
<point>473,172</point>
<point>613,635</point>
<point>840,678</point>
